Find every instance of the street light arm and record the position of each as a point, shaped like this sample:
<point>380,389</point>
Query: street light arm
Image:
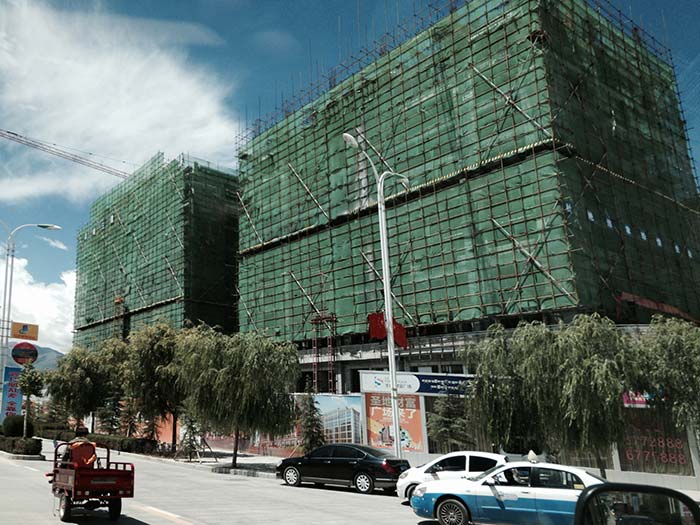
<point>404,180</point>
<point>42,226</point>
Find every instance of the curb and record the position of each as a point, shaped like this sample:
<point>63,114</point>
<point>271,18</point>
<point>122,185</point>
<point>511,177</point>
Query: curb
<point>244,472</point>
<point>22,457</point>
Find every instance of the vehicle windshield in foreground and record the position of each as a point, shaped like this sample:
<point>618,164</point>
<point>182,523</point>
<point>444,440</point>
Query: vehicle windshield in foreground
<point>627,504</point>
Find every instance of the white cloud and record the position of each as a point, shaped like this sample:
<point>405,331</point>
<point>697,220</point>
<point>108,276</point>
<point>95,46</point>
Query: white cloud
<point>50,305</point>
<point>117,86</point>
<point>54,243</point>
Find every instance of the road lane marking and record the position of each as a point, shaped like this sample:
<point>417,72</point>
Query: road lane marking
<point>163,513</point>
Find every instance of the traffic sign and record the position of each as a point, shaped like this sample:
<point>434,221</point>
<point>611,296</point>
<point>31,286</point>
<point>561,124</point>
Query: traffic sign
<point>24,353</point>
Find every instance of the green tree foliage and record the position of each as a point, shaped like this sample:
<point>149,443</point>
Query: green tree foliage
<point>671,353</point>
<point>210,365</point>
<point>312,435</point>
<point>449,426</point>
<point>269,375</point>
<point>546,389</point>
<point>494,399</point>
<point>80,383</point>
<point>153,373</point>
<point>115,361</point>
<point>31,381</point>
<point>596,366</point>
<point>239,383</point>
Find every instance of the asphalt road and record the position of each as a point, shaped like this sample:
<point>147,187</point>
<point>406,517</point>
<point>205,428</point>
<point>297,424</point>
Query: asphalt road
<point>185,494</point>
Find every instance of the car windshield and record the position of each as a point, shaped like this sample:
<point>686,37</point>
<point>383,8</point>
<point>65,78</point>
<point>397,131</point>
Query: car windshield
<point>596,476</point>
<point>485,473</point>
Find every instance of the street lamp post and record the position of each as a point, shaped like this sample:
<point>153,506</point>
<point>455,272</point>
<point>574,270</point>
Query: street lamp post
<point>7,292</point>
<point>351,141</point>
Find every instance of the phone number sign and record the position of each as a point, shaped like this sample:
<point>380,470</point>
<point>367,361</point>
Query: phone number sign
<point>652,444</point>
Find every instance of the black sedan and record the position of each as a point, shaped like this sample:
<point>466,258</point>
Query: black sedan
<point>359,466</point>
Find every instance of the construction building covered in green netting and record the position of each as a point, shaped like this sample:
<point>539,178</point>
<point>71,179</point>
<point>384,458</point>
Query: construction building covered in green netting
<point>159,246</point>
<point>549,175</point>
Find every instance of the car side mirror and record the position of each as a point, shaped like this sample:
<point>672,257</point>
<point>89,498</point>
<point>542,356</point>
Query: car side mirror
<point>490,482</point>
<point>627,503</point>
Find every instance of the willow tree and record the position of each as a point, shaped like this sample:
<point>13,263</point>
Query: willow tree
<point>154,372</point>
<point>269,376</point>
<point>671,352</point>
<point>597,365</point>
<point>551,389</point>
<point>80,383</point>
<point>239,383</point>
<point>114,356</point>
<point>504,399</point>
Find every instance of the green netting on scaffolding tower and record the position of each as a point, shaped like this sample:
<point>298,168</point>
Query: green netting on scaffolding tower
<point>549,171</point>
<point>160,245</point>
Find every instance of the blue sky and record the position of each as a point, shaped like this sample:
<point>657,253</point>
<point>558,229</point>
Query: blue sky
<point>121,80</point>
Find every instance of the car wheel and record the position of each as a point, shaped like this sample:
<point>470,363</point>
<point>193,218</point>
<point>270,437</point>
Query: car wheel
<point>452,512</point>
<point>114,506</point>
<point>292,476</point>
<point>364,483</point>
<point>65,506</point>
<point>409,492</point>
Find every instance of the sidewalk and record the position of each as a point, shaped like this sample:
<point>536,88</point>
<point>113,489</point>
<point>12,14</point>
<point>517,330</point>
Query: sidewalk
<point>219,462</point>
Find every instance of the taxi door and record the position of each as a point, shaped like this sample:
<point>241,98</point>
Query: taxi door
<point>507,498</point>
<point>557,493</point>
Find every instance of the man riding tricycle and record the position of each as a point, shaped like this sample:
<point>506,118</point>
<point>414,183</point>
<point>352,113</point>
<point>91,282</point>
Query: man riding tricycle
<point>84,478</point>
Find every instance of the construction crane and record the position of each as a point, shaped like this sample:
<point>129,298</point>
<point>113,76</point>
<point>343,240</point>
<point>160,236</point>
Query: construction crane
<point>53,150</point>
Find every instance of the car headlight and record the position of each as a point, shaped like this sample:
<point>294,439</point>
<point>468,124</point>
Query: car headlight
<point>420,491</point>
<point>403,475</point>
<point>279,464</point>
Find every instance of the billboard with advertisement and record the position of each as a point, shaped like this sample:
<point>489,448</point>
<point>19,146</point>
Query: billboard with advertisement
<point>25,331</point>
<point>11,393</point>
<point>380,432</point>
<point>414,383</point>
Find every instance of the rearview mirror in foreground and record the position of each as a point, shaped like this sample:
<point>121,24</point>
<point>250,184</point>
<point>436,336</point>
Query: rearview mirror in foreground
<point>628,504</point>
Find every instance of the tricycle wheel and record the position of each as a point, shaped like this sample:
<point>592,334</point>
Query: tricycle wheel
<point>65,506</point>
<point>115,508</point>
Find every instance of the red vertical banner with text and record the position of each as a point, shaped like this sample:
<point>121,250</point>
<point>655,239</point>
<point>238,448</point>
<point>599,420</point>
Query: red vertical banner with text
<point>11,393</point>
<point>380,431</point>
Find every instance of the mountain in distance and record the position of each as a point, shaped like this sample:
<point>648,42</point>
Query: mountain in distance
<point>48,358</point>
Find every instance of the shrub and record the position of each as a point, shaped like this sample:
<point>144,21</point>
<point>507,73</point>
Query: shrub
<point>13,426</point>
<point>18,445</point>
<point>123,444</point>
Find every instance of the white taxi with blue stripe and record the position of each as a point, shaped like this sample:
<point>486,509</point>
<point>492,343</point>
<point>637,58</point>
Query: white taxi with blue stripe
<point>517,493</point>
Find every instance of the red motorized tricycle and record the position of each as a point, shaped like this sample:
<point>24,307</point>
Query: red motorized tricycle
<point>83,479</point>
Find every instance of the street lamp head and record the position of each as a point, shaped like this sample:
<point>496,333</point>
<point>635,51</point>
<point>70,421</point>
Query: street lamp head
<point>351,141</point>
<point>49,226</point>
<point>405,182</point>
